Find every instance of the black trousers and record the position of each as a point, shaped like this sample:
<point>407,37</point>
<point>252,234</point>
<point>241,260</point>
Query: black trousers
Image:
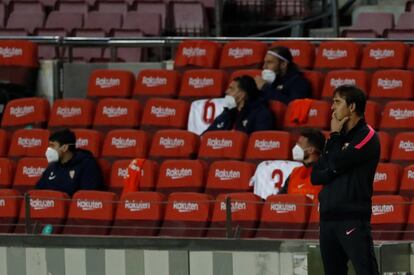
<point>341,241</point>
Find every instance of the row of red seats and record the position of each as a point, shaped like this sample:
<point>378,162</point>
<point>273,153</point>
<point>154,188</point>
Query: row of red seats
<point>189,214</point>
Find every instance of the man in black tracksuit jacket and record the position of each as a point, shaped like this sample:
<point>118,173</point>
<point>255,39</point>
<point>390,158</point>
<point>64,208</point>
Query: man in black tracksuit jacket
<point>346,170</point>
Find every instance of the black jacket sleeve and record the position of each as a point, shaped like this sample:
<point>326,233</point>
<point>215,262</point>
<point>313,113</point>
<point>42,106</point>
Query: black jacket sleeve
<point>43,183</point>
<point>92,176</point>
<point>295,88</point>
<point>224,121</point>
<point>285,186</point>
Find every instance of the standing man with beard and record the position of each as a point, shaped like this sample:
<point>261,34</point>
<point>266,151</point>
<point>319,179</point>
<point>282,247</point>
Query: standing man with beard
<point>281,79</point>
<point>346,171</point>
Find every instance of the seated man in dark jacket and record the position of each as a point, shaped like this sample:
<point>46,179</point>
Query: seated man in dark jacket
<point>281,79</point>
<point>245,109</point>
<point>69,169</point>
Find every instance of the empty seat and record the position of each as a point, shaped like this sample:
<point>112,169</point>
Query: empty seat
<point>87,53</point>
<point>112,7</point>
<point>139,214</point>
<point>245,215</point>
<point>165,113</point>
<point>334,79</point>
<point>269,145</point>
<point>392,84</point>
<point>147,22</point>
<point>7,167</point>
<point>407,182</point>
<point>399,34</point>
<point>157,82</point>
<point>126,143</point>
<point>181,176</point>
<point>284,216</point>
<point>389,54</point>
<point>128,54</point>
<point>28,172</point>
<point>278,109</point>
<point>403,148</point>
<point>409,229</point>
<point>13,32</point>
<point>117,112</point>
<point>203,83</point>
<point>29,143</point>
<point>316,79</point>
<point>10,201</point>
<point>203,112</point>
<point>229,176</point>
<point>32,111</point>
<point>250,72</point>
<point>303,52</point>
<point>90,213</point>
<point>386,141</point>
<point>110,83</point>
<point>187,214</point>
<point>174,144</point>
<point>242,54</point>
<point>189,18</point>
<point>373,114</point>
<point>387,179</point>
<point>376,22</point>
<point>410,62</point>
<point>338,55</point>
<point>2,15</point>
<point>64,20</point>
<point>77,6</point>
<point>72,113</point>
<point>398,116</point>
<point>51,51</point>
<point>4,142</point>
<point>223,145</point>
<point>389,216</point>
<point>46,207</point>
<point>24,7</point>
<point>90,140</point>
<point>103,21</point>
<point>405,21</point>
<point>319,115</point>
<point>160,8</point>
<point>197,53</point>
<point>27,21</point>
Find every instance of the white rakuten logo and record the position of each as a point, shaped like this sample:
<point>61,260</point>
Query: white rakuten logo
<point>381,54</point>
<point>2,203</point>
<point>105,83</point>
<point>136,206</point>
<point>8,52</point>
<point>199,83</point>
<point>266,145</point>
<point>388,84</point>
<point>66,112</point>
<point>122,143</point>
<point>382,209</point>
<point>216,143</point>
<point>410,174</point>
<point>235,206</point>
<point>332,54</point>
<point>169,143</point>
<point>29,142</point>
<point>407,146</point>
<point>122,172</point>
<point>313,112</point>
<point>399,114</point>
<point>193,52</point>
<point>87,205</point>
<point>283,207</point>
<point>38,204</point>
<point>380,177</point>
<point>114,111</point>
<point>295,52</point>
<point>237,53</point>
<point>336,82</point>
<point>178,173</point>
<point>227,174</point>
<point>82,142</point>
<point>159,111</point>
<point>154,81</point>
<point>185,207</point>
<point>33,172</point>
<point>21,111</point>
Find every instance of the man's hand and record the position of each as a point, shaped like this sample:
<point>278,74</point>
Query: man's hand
<point>259,82</point>
<point>337,125</point>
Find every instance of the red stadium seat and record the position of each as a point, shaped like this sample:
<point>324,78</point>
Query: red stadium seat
<point>174,144</point>
<point>389,216</point>
<point>223,145</point>
<point>62,20</point>
<point>112,6</point>
<point>149,23</point>
<point>373,114</point>
<point>104,21</point>
<point>139,214</point>
<point>407,182</point>
<point>374,22</point>
<point>72,113</point>
<point>269,145</point>
<point>392,84</point>
<point>403,148</point>
<point>32,111</point>
<point>7,168</point>
<point>10,201</point>
<point>73,6</point>
<point>386,141</point>
<point>24,7</point>
<point>203,83</point>
<point>197,54</point>
<point>46,207</point>
<point>28,172</point>
<point>157,82</point>
<point>90,140</point>
<point>242,54</point>
<point>187,215</point>
<point>398,116</point>
<point>121,113</point>
<point>26,21</point>
<point>338,55</point>
<point>410,62</point>
<point>229,176</point>
<point>409,229</point>
<point>284,216</point>
<point>384,54</point>
<point>279,110</point>
<point>181,176</point>
<point>312,231</point>
<point>387,179</point>
<point>250,72</point>
<point>316,79</point>
<point>319,115</point>
<point>90,213</point>
<point>189,19</point>
<point>126,143</point>
<point>4,142</point>
<point>29,143</point>
<point>160,8</point>
<point>303,52</point>
<point>245,215</point>
<point>334,79</point>
<point>110,83</point>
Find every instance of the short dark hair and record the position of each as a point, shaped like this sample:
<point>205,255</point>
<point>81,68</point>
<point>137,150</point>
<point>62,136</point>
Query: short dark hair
<point>315,137</point>
<point>353,94</point>
<point>248,85</point>
<point>64,136</point>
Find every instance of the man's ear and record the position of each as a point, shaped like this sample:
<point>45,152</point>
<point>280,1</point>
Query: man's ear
<point>65,147</point>
<point>284,65</point>
<point>352,107</point>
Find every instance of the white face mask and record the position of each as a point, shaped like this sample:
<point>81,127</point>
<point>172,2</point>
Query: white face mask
<point>230,102</point>
<point>297,153</point>
<point>268,75</point>
<point>52,155</point>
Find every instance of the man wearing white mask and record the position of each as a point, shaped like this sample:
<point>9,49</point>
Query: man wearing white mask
<point>281,79</point>
<point>307,150</point>
<point>69,169</point>
<point>245,110</point>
